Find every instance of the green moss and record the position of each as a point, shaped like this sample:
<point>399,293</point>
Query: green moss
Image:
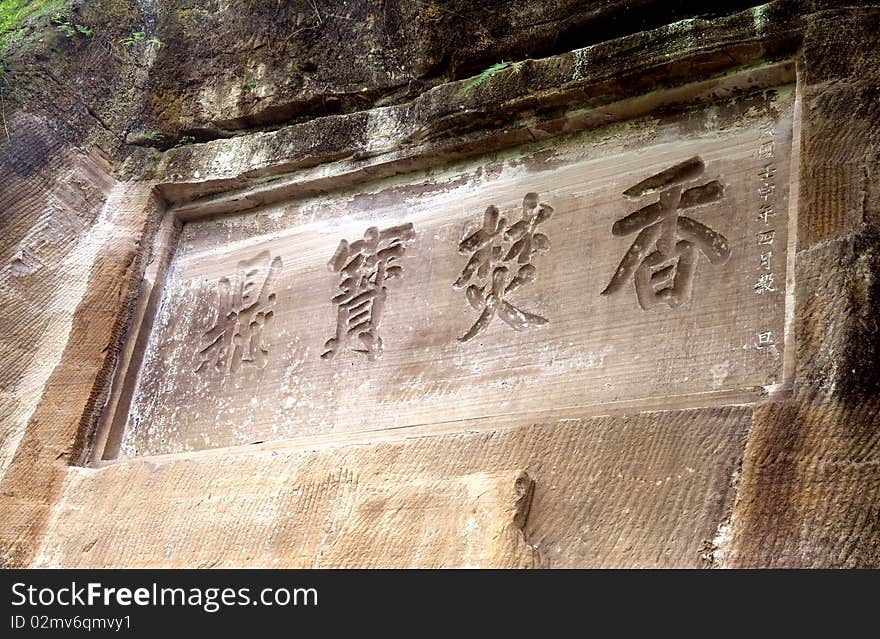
<point>151,163</point>
<point>186,17</point>
<point>14,13</point>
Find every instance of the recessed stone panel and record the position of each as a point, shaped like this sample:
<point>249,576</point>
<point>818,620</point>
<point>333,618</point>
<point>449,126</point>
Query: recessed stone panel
<point>637,262</point>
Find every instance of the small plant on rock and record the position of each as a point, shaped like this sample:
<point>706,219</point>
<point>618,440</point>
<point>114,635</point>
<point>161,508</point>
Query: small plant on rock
<point>488,73</point>
<point>70,29</point>
<point>136,36</point>
<point>186,139</point>
<point>153,136</point>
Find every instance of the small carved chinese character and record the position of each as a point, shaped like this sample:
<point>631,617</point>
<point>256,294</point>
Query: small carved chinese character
<point>765,212</point>
<point>765,237</point>
<point>765,151</point>
<point>765,259</point>
<point>663,257</point>
<point>492,248</point>
<point>246,303</point>
<point>765,340</point>
<point>766,191</point>
<point>364,268</point>
<point>767,172</point>
<point>765,284</point>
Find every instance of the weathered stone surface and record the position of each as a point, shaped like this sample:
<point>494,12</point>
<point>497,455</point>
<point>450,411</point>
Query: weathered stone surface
<point>99,277</point>
<point>640,490</point>
<point>244,64</point>
<point>47,246</point>
<point>48,209</point>
<point>807,490</point>
<point>808,493</point>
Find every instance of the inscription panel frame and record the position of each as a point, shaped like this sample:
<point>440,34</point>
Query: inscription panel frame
<point>305,183</point>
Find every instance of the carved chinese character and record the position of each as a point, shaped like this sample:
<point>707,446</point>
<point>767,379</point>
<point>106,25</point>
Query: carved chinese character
<point>765,151</point>
<point>765,284</point>
<point>765,237</point>
<point>764,213</point>
<point>501,263</point>
<point>765,340</point>
<point>663,257</point>
<point>767,172</point>
<point>246,302</point>
<point>766,191</point>
<point>364,268</point>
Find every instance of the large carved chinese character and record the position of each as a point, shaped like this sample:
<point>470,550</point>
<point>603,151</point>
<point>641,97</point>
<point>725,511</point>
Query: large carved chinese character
<point>501,263</point>
<point>364,268</point>
<point>663,258</point>
<point>246,302</point>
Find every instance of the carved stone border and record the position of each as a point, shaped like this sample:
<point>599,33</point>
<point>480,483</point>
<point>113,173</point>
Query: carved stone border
<point>393,152</point>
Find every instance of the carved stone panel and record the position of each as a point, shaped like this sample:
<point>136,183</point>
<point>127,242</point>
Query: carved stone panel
<point>643,263</point>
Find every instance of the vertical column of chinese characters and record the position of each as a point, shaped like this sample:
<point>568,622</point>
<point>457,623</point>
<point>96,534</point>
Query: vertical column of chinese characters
<point>766,235</point>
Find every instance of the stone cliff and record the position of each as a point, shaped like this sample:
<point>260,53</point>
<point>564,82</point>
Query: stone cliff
<point>124,121</point>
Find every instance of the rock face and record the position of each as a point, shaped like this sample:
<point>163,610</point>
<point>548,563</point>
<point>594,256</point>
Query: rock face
<point>522,284</point>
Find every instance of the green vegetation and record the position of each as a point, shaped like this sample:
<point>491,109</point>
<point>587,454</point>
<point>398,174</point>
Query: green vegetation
<point>119,103</point>
<point>151,162</point>
<point>488,73</point>
<point>14,13</point>
<point>186,139</point>
<point>62,21</point>
<point>250,86</point>
<point>153,136</point>
<point>137,37</point>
